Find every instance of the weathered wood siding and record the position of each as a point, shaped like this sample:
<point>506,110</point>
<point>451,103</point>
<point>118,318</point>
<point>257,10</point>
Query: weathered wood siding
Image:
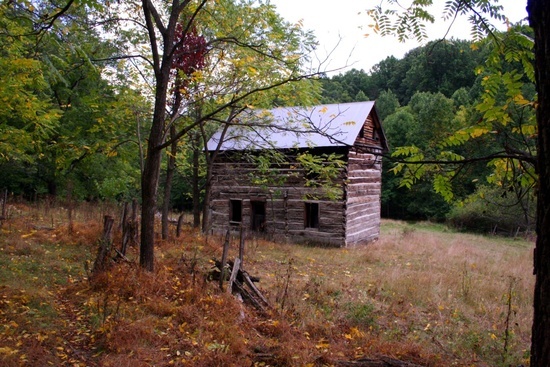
<point>370,136</point>
<point>363,190</point>
<point>364,186</point>
<point>284,203</point>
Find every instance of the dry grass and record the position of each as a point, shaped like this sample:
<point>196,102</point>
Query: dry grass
<point>421,294</point>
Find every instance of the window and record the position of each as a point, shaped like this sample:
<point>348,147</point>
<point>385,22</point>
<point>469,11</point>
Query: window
<point>311,218</point>
<point>235,211</point>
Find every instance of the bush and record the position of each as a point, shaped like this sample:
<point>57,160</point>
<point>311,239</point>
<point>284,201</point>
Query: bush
<point>492,209</point>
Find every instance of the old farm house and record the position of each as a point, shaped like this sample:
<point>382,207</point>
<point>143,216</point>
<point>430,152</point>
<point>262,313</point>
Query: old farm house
<point>285,198</point>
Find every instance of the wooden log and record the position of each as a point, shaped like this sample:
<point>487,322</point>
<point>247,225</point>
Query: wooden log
<point>224,258</point>
<point>241,248</point>
<point>42,228</point>
<point>249,283</point>
<point>125,234</point>
<point>129,227</point>
<point>120,255</point>
<point>234,272</point>
<point>217,264</point>
<point>247,295</point>
<point>100,263</point>
<point>123,217</point>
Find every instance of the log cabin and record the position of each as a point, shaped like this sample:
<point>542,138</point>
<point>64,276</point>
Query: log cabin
<point>306,175</point>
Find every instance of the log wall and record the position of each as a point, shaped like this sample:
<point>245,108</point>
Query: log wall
<point>363,192</point>
<point>284,203</point>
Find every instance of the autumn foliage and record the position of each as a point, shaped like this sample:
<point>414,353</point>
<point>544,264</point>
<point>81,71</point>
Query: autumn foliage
<point>189,54</point>
<point>422,296</point>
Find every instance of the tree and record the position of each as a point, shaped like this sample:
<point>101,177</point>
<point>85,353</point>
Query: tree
<point>421,124</point>
<point>27,116</point>
<point>539,20</point>
<point>68,124</point>
<point>161,24</point>
<point>386,104</point>
<point>411,19</point>
<point>439,66</point>
<point>231,69</point>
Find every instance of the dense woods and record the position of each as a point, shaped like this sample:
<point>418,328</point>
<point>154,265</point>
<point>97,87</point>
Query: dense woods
<point>425,98</point>
<point>90,130</point>
<point>78,121</point>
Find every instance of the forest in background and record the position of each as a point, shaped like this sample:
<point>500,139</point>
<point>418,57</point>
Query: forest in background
<point>75,115</point>
<point>423,99</point>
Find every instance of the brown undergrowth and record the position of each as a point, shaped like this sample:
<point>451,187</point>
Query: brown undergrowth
<point>420,294</point>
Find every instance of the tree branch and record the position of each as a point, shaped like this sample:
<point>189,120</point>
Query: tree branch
<point>50,19</point>
<point>124,57</point>
<point>233,103</point>
<point>501,155</point>
<point>152,36</point>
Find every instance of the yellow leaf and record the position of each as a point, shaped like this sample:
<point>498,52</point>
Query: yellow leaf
<point>478,132</point>
<point>28,234</point>
<point>8,351</point>
<point>41,337</point>
<point>323,344</point>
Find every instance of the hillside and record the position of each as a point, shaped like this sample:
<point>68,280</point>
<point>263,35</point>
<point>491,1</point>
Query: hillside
<point>421,294</point>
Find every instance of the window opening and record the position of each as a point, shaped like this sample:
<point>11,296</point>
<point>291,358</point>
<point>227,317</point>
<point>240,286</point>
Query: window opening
<point>235,211</point>
<point>311,219</point>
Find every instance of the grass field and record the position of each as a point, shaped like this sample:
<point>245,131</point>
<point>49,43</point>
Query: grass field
<point>421,294</point>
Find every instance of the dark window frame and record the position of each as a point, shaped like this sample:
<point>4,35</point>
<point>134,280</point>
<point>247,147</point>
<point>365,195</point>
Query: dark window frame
<point>312,214</point>
<point>235,211</point>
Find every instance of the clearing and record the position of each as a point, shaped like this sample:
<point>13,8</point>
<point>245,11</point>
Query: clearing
<point>422,294</point>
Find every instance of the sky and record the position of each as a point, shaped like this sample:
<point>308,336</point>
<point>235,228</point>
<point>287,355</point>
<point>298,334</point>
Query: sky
<point>340,27</point>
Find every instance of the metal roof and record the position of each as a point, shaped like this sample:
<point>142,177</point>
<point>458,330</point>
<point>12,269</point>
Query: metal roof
<point>329,125</point>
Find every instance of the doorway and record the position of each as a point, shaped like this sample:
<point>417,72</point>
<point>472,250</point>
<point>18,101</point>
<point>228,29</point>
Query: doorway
<point>258,215</point>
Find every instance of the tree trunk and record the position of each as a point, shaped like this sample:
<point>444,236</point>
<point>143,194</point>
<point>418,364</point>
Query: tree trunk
<point>207,193</point>
<point>210,157</point>
<point>162,63</point>
<point>196,189</point>
<point>149,184</point>
<point>539,20</point>
<point>171,167</point>
<point>150,176</point>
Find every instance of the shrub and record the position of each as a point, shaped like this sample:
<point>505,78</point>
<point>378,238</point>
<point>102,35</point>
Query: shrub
<point>494,210</point>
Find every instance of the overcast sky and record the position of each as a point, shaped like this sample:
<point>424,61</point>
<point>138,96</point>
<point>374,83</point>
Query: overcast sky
<point>344,23</point>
